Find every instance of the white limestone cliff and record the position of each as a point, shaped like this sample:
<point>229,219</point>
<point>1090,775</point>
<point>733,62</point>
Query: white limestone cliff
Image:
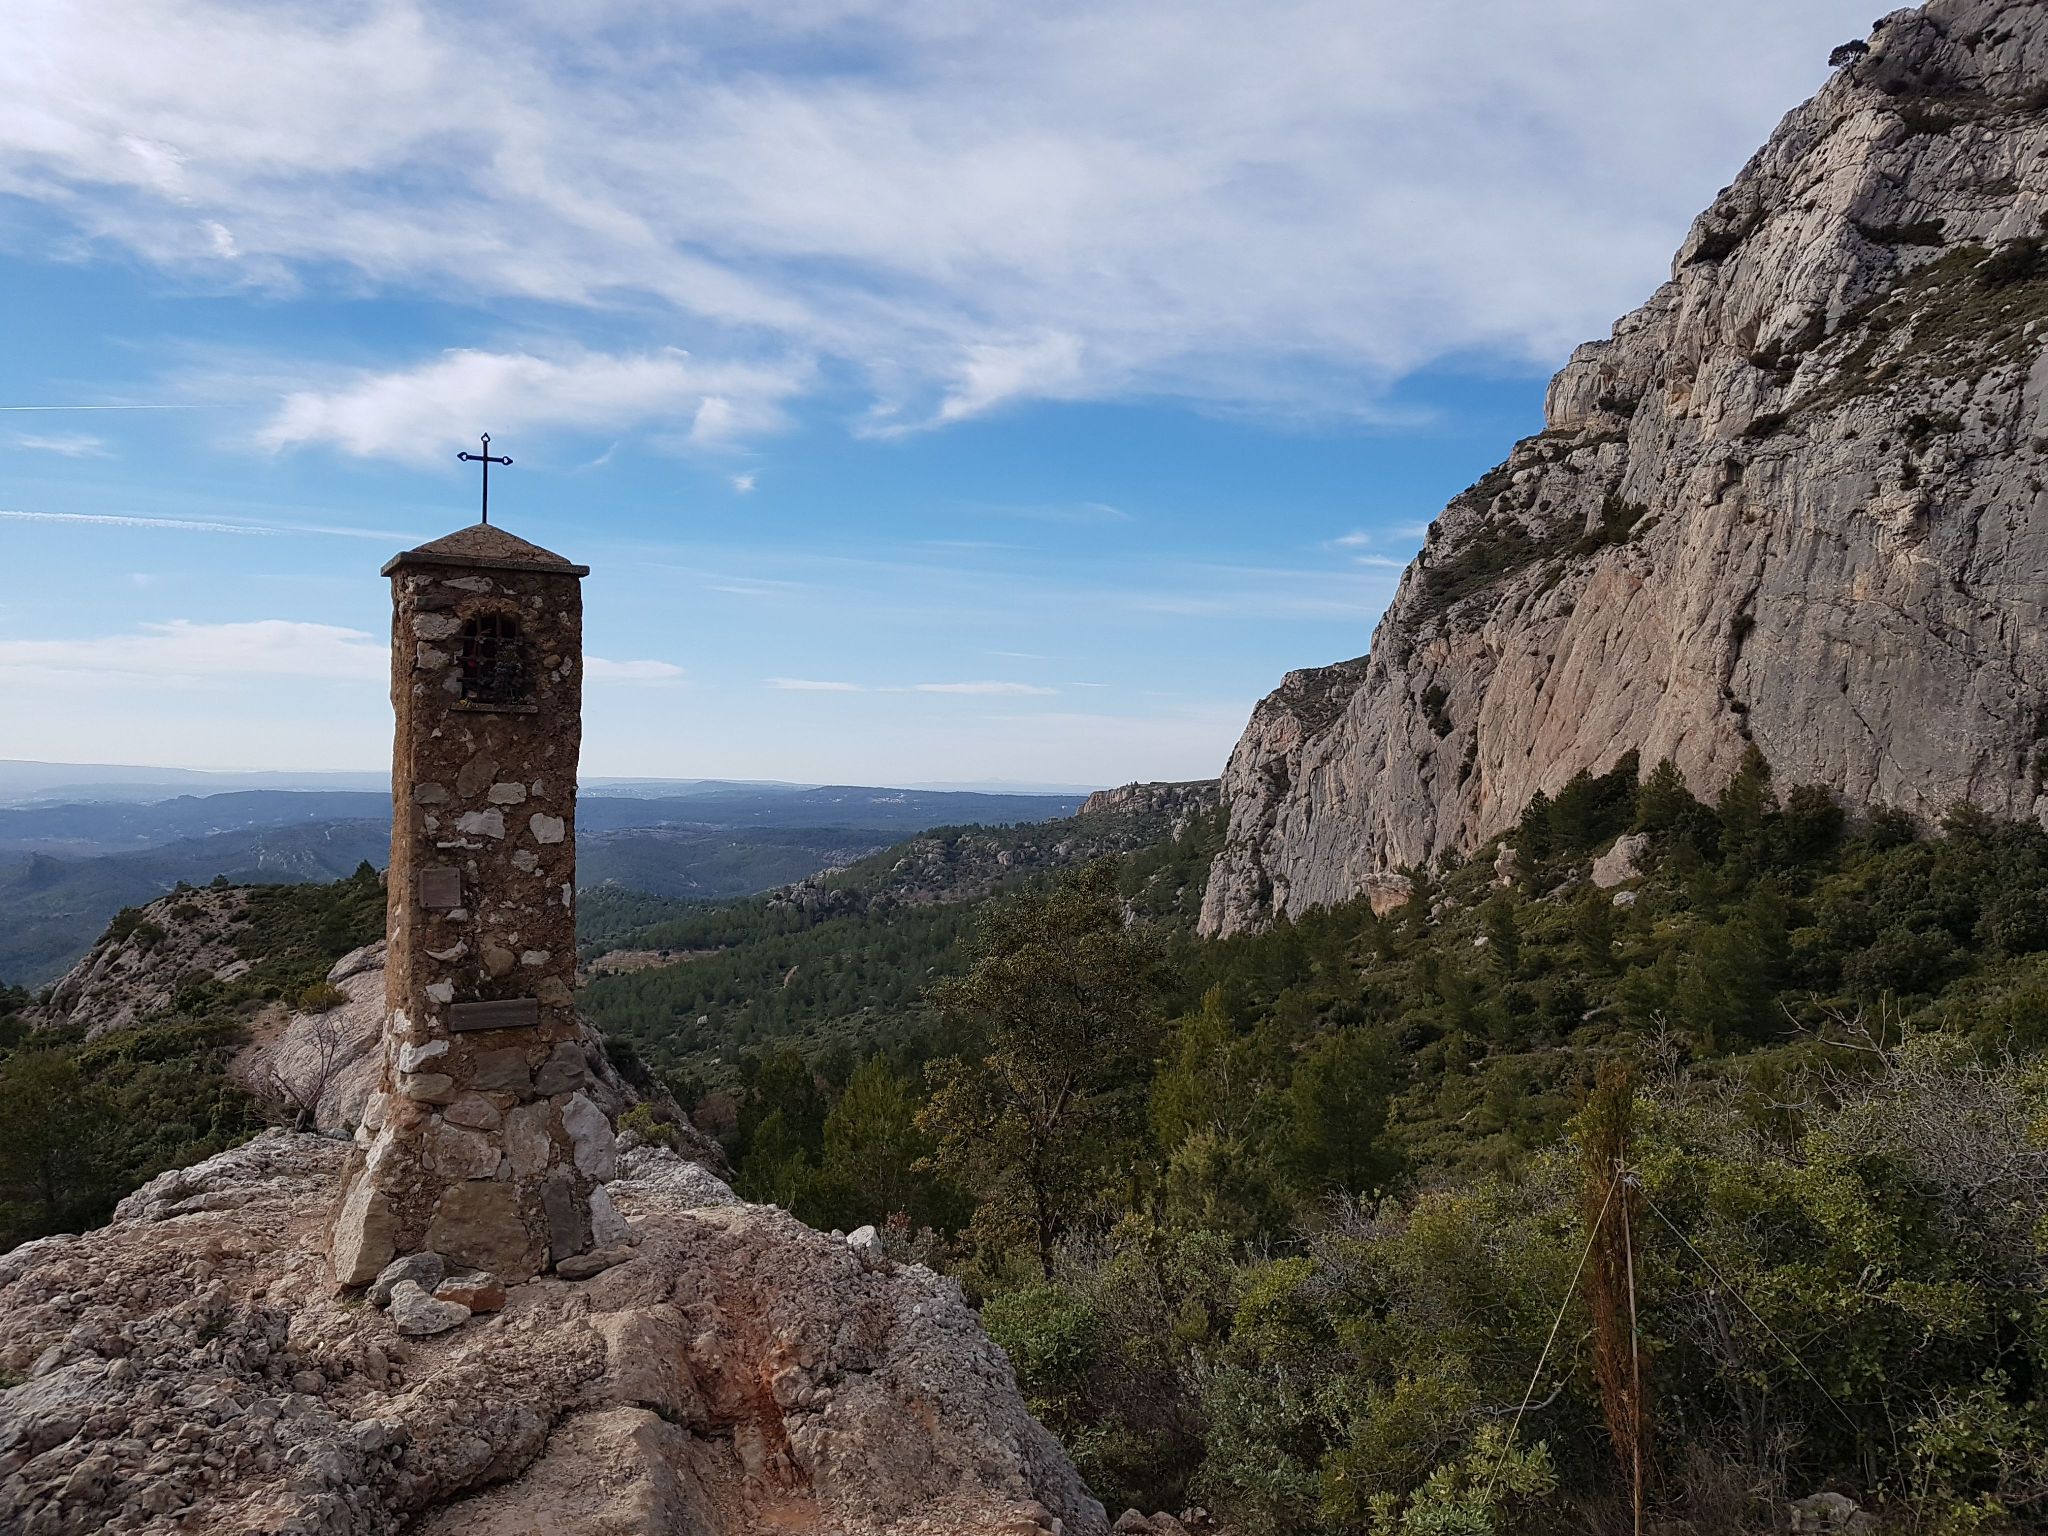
<point>1797,499</point>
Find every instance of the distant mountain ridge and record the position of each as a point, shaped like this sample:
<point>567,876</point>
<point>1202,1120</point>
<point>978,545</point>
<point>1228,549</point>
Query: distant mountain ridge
<point>67,868</point>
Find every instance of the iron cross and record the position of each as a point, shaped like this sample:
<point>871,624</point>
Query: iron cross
<point>487,459</point>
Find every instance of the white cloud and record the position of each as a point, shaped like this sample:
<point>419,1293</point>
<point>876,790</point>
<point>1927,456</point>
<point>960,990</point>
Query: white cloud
<point>1358,539</point>
<point>72,445</point>
<point>810,685</point>
<point>1278,206</point>
<point>180,651</point>
<point>199,653</point>
<point>1011,689</point>
<point>599,670</point>
<point>424,413</point>
<point>744,484</point>
<point>991,373</point>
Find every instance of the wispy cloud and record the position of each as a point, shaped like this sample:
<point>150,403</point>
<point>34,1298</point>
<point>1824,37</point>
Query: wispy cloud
<point>599,670</point>
<point>199,525</point>
<point>181,651</point>
<point>1357,539</point>
<point>810,685</point>
<point>1184,198</point>
<point>200,653</point>
<point>1017,690</point>
<point>425,412</point>
<point>744,483</point>
<point>71,445</point>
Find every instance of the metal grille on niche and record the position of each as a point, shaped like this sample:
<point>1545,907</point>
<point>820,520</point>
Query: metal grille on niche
<point>493,660</point>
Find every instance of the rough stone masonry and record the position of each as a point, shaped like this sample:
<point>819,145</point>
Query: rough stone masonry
<point>481,1143</point>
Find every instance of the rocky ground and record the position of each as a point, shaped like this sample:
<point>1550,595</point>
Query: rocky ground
<point>190,1368</point>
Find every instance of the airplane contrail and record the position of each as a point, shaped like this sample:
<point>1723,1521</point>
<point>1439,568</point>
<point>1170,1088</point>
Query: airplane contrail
<point>196,525</point>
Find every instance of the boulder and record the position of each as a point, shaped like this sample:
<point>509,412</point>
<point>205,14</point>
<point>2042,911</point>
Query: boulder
<point>423,1269</point>
<point>1621,862</point>
<point>416,1314</point>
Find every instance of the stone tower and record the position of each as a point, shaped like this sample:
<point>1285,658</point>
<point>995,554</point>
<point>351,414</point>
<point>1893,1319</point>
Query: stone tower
<point>481,1142</point>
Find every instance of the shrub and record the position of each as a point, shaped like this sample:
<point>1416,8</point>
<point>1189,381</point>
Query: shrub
<point>321,997</point>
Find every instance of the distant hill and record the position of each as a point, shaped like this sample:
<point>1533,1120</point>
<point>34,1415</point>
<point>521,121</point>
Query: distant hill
<point>67,867</point>
<point>843,958</point>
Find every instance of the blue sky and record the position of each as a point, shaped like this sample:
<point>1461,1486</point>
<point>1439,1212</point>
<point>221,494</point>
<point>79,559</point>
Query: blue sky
<point>940,391</point>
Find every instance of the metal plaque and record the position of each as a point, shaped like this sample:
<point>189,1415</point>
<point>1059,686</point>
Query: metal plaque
<point>511,1013</point>
<point>440,887</point>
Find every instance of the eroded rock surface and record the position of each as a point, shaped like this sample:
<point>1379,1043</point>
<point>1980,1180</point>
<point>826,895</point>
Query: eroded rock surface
<point>190,1367</point>
<point>1796,500</point>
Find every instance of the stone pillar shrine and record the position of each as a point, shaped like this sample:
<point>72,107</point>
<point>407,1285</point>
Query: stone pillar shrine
<point>481,1143</point>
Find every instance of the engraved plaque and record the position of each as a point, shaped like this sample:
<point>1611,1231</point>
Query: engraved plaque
<point>440,887</point>
<point>511,1013</point>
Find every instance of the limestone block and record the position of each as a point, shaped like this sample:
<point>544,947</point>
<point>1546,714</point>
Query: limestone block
<point>430,794</point>
<point>476,1224</point>
<point>478,1292</point>
<point>867,1246</point>
<point>365,1234</point>
<point>489,823</point>
<point>417,1314</point>
<point>424,1269</point>
<point>457,1153</point>
<point>568,1217</point>
<point>608,1228</point>
<point>475,775</point>
<point>427,1087</point>
<point>475,1111</point>
<point>582,1266</point>
<point>507,794</point>
<point>498,960</point>
<point>547,829</point>
<point>526,1140</point>
<point>412,1057</point>
<point>501,1071</point>
<point>590,1138</point>
<point>435,626</point>
<point>566,1068</point>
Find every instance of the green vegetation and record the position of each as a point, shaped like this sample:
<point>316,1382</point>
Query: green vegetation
<point>89,1120</point>
<point>1298,1258</point>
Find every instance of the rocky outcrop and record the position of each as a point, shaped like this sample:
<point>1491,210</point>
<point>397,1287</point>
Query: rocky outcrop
<point>959,864</point>
<point>1178,804</point>
<point>190,1367</point>
<point>1796,499</point>
<point>326,1063</point>
<point>150,952</point>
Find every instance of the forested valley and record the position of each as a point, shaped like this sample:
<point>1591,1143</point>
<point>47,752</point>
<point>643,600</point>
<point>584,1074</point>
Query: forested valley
<point>1322,1228</point>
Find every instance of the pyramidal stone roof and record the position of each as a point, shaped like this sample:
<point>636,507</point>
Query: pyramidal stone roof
<point>485,546</point>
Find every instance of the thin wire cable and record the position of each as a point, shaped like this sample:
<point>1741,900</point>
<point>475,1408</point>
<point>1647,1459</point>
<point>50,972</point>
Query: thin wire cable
<point>1557,1323</point>
<point>1635,1361</point>
<point>1752,1311</point>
